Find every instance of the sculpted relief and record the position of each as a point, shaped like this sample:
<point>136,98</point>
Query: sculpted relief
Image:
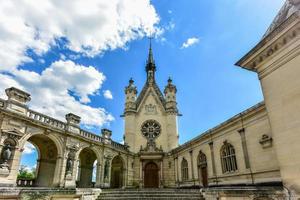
<point>150,109</point>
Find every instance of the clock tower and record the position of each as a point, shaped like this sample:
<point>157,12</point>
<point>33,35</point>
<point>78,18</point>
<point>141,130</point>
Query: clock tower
<point>151,116</point>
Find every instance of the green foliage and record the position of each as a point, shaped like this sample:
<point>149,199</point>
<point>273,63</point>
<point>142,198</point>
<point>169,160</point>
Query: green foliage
<point>24,173</point>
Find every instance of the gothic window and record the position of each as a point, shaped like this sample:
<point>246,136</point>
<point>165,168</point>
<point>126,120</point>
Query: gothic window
<point>184,170</point>
<point>228,158</point>
<point>150,129</point>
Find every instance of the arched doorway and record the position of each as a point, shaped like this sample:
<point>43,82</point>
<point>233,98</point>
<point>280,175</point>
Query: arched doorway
<point>86,168</point>
<point>202,169</point>
<point>47,158</point>
<point>116,180</point>
<point>151,177</point>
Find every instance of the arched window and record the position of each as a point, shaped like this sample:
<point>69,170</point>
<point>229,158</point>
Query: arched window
<point>202,159</point>
<point>184,170</point>
<point>228,158</point>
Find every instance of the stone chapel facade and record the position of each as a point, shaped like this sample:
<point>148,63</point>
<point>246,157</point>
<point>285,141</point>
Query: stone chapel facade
<point>253,155</point>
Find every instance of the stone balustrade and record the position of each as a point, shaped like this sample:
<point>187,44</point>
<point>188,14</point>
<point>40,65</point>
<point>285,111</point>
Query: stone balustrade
<point>26,182</point>
<point>118,145</point>
<point>46,119</point>
<point>91,136</point>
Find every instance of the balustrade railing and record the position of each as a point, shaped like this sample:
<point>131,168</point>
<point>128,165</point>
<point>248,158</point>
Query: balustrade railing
<point>26,182</point>
<point>91,136</point>
<point>118,145</point>
<point>46,119</point>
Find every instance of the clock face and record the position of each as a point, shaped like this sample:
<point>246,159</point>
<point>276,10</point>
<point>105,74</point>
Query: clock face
<point>151,129</point>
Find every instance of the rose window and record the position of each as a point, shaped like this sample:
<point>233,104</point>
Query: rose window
<point>151,129</point>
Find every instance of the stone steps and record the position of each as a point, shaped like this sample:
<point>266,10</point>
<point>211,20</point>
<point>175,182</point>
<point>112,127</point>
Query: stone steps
<point>150,194</point>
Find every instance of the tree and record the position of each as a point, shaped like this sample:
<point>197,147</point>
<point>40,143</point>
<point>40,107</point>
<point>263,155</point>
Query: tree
<point>25,173</point>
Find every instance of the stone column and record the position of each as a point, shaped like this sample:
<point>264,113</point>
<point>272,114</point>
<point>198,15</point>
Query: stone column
<point>176,164</point>
<point>245,149</point>
<point>102,168</point>
<point>98,174</point>
<point>211,146</point>
<point>141,174</point>
<point>161,174</point>
<point>192,166</point>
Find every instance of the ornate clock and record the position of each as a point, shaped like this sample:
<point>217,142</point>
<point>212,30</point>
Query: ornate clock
<point>151,129</point>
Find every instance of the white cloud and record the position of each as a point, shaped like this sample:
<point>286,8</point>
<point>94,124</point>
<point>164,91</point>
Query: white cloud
<point>90,26</point>
<point>107,94</point>
<point>62,88</point>
<point>189,42</point>
<point>28,148</point>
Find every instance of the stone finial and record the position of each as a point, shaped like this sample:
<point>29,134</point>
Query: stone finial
<point>17,95</point>
<point>106,133</point>
<point>170,88</point>
<point>131,88</point>
<point>73,119</point>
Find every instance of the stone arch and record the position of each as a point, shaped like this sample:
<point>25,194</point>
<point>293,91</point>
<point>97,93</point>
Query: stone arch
<point>117,172</point>
<point>87,157</point>
<point>49,150</point>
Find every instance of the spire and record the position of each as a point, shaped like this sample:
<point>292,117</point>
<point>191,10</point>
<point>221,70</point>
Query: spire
<point>150,55</point>
<point>150,66</point>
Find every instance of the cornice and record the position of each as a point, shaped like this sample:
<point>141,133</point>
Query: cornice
<point>247,113</point>
<point>272,43</point>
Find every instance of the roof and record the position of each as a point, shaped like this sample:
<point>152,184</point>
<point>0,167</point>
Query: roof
<point>288,8</point>
<point>289,12</point>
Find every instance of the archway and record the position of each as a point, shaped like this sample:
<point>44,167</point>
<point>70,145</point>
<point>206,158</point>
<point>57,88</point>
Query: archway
<point>116,180</point>
<point>151,176</point>
<point>202,169</point>
<point>87,158</point>
<point>47,158</point>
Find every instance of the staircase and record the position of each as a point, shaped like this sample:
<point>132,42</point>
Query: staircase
<point>150,194</point>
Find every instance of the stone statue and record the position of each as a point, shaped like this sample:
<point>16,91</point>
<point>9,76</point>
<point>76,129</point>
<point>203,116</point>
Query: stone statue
<point>6,153</point>
<point>106,169</point>
<point>69,166</point>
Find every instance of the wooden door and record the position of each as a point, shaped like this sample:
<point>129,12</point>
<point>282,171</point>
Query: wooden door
<point>204,176</point>
<point>151,178</point>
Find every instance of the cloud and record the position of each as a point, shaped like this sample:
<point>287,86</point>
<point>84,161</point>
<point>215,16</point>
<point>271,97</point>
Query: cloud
<point>107,94</point>
<point>61,88</point>
<point>90,27</point>
<point>189,42</point>
<point>28,148</point>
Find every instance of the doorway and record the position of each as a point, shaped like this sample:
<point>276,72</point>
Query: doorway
<point>151,176</point>
<point>204,176</point>
<point>116,172</point>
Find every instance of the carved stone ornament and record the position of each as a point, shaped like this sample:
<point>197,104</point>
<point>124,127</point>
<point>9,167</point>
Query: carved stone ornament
<point>151,147</point>
<point>13,134</point>
<point>150,109</point>
<point>266,141</point>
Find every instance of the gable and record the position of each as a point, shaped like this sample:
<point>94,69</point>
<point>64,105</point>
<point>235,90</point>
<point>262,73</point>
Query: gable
<point>152,97</point>
<point>154,89</point>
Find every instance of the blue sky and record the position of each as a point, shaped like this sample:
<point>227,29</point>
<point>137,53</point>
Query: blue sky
<point>69,61</point>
